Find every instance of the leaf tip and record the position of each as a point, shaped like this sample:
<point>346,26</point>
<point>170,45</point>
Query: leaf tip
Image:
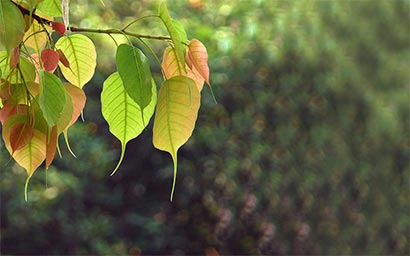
<point>119,161</point>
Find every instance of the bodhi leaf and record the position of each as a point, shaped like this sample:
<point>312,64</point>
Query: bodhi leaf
<point>122,114</point>
<point>52,97</point>
<point>170,68</point>
<point>12,25</point>
<point>31,155</point>
<point>199,57</point>
<point>177,33</point>
<point>175,117</point>
<point>134,70</point>
<point>79,51</point>
<point>78,99</point>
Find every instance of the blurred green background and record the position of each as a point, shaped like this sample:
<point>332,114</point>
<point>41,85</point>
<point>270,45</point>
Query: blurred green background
<point>307,151</point>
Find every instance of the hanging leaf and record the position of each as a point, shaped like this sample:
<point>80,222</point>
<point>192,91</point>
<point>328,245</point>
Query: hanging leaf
<point>177,33</point>
<point>12,26</point>
<point>78,99</point>
<point>170,68</point>
<point>52,97</point>
<point>199,57</point>
<point>35,39</point>
<point>82,58</point>
<point>49,59</point>
<point>31,155</point>
<point>122,114</point>
<point>134,70</point>
<point>58,27</point>
<point>51,147</point>
<point>51,7</point>
<point>175,116</point>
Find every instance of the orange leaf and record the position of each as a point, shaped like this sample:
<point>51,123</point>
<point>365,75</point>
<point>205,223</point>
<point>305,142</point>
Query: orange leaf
<point>50,60</point>
<point>199,56</point>
<point>20,136</point>
<point>59,27</point>
<point>78,98</point>
<point>63,59</point>
<point>171,69</point>
<point>51,147</point>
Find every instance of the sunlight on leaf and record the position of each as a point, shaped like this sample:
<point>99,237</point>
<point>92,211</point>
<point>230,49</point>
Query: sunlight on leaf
<point>175,116</point>
<point>80,53</point>
<point>122,114</point>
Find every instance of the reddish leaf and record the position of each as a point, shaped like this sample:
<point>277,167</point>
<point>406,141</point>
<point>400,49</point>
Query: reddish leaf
<point>20,136</point>
<point>51,147</point>
<point>15,57</point>
<point>50,60</point>
<point>78,98</point>
<point>59,27</point>
<point>5,89</point>
<point>199,56</point>
<point>9,109</point>
<point>170,68</point>
<point>63,58</point>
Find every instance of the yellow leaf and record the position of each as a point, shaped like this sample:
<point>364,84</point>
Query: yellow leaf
<point>80,53</point>
<point>175,117</point>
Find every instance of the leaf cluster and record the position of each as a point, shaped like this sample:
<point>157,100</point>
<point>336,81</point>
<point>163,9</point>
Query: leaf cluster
<point>42,80</point>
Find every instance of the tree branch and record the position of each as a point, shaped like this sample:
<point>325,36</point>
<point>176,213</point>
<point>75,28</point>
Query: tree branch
<point>40,20</point>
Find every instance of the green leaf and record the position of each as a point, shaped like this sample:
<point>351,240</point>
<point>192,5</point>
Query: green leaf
<point>177,33</point>
<point>51,7</point>
<point>175,117</point>
<point>134,70</point>
<point>122,114</point>
<point>52,97</point>
<point>80,53</point>
<point>12,26</point>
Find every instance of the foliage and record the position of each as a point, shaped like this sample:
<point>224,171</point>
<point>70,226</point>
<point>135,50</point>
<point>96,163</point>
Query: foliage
<point>307,152</point>
<point>37,107</point>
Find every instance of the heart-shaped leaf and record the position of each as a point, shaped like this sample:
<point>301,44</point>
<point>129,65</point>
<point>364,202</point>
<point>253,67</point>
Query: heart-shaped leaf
<point>82,58</point>
<point>199,57</point>
<point>122,114</point>
<point>175,116</point>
